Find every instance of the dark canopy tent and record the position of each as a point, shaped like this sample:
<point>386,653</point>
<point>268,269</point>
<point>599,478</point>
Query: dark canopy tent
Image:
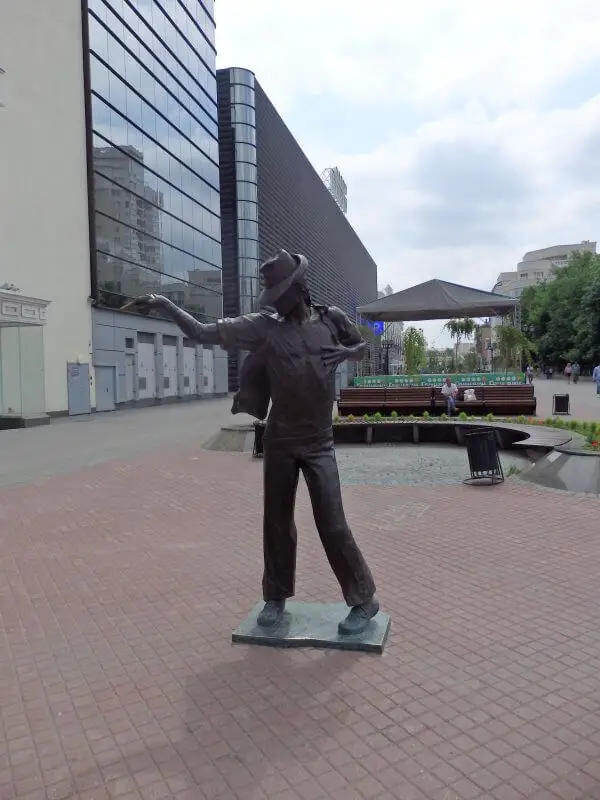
<point>437,299</point>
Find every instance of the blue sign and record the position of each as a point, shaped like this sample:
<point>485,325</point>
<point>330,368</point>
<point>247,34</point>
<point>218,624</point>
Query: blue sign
<point>378,328</point>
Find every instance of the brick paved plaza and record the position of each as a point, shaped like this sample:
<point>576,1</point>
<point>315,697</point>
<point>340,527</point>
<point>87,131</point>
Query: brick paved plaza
<point>120,584</point>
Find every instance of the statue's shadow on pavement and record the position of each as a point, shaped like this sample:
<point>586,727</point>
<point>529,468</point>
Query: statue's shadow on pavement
<point>250,715</point>
<point>243,720</point>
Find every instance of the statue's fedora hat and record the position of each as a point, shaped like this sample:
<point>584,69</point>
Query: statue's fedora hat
<point>279,273</point>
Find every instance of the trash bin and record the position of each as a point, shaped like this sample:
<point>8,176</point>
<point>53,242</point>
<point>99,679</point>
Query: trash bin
<point>561,404</point>
<point>259,432</point>
<point>484,461</point>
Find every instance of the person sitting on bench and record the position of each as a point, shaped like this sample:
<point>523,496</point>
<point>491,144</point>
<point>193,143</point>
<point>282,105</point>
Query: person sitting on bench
<point>450,392</point>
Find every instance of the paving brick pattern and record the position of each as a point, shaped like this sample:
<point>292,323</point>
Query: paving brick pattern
<point>120,585</point>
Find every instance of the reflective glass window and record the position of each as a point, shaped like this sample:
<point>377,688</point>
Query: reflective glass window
<point>242,76</point>
<point>119,280</point>
<point>178,65</point>
<point>246,134</point>
<point>248,269</point>
<point>159,158</point>
<point>246,210</point>
<point>247,191</point>
<point>247,229</point>
<point>248,248</point>
<point>156,151</point>
<point>242,94</point>
<point>246,115</point>
<point>246,172</point>
<point>245,152</point>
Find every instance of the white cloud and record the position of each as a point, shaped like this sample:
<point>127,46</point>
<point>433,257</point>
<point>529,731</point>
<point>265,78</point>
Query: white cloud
<point>487,121</point>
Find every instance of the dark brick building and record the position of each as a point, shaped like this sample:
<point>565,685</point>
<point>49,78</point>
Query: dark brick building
<point>272,197</point>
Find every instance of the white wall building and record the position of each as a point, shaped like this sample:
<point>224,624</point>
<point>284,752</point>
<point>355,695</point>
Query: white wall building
<point>93,211</point>
<point>44,235</point>
<point>537,266</point>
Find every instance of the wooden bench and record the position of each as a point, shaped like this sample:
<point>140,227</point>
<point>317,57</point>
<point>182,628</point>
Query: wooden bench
<point>361,400</point>
<point>509,400</point>
<point>409,399</point>
<point>474,407</point>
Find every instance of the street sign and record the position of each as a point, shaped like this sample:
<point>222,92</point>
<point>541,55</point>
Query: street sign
<point>378,328</point>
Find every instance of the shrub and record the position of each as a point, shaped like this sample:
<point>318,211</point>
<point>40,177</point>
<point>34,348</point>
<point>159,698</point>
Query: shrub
<point>462,416</point>
<point>426,415</point>
<point>350,417</point>
<point>394,415</point>
<point>444,416</point>
<point>378,416</point>
<point>489,417</point>
<point>521,419</point>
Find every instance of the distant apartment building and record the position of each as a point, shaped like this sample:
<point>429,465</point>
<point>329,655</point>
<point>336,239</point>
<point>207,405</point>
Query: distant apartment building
<point>538,266</point>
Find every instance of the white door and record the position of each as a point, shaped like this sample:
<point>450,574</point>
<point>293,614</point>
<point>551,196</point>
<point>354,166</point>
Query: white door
<point>129,376</point>
<point>106,388</point>
<point>146,371</point>
<point>169,370</point>
<point>208,365</point>
<point>189,369</point>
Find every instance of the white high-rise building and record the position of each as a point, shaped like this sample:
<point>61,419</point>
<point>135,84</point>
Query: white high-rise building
<point>536,267</point>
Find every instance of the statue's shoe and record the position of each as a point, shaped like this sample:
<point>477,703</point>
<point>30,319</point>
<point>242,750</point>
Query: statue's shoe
<point>358,618</point>
<point>271,613</point>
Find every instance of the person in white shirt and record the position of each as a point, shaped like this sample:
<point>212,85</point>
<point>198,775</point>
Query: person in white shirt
<point>450,392</point>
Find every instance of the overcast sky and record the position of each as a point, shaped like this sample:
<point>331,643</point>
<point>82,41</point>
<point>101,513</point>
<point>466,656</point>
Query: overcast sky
<point>468,131</point>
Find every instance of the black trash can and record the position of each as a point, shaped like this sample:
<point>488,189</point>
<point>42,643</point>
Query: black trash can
<point>484,461</point>
<point>561,404</point>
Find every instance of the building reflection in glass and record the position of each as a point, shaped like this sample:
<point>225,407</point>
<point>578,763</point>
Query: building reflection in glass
<point>155,153</point>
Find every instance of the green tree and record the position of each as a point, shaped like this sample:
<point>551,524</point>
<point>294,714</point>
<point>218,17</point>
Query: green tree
<point>562,316</point>
<point>459,328</point>
<point>433,362</point>
<point>470,362</point>
<point>414,348</point>
<point>513,345</point>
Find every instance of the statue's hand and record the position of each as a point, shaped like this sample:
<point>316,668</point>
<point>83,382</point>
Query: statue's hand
<point>336,354</point>
<point>145,303</point>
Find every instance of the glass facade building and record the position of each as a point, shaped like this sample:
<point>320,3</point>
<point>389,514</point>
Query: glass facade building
<point>155,153</point>
<point>243,121</point>
<point>272,197</point>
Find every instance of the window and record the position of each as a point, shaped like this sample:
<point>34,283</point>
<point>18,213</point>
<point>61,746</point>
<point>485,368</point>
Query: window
<point>242,94</point>
<point>523,276</point>
<point>155,151</point>
<point>242,76</point>
<point>247,191</point>
<point>245,133</point>
<point>245,152</point>
<point>242,114</point>
<point>246,210</point>
<point>247,229</point>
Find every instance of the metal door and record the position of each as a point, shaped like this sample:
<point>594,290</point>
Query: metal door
<point>208,365</point>
<point>189,369</point>
<point>169,370</point>
<point>146,370</point>
<point>106,380</point>
<point>129,376</point>
<point>78,389</point>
